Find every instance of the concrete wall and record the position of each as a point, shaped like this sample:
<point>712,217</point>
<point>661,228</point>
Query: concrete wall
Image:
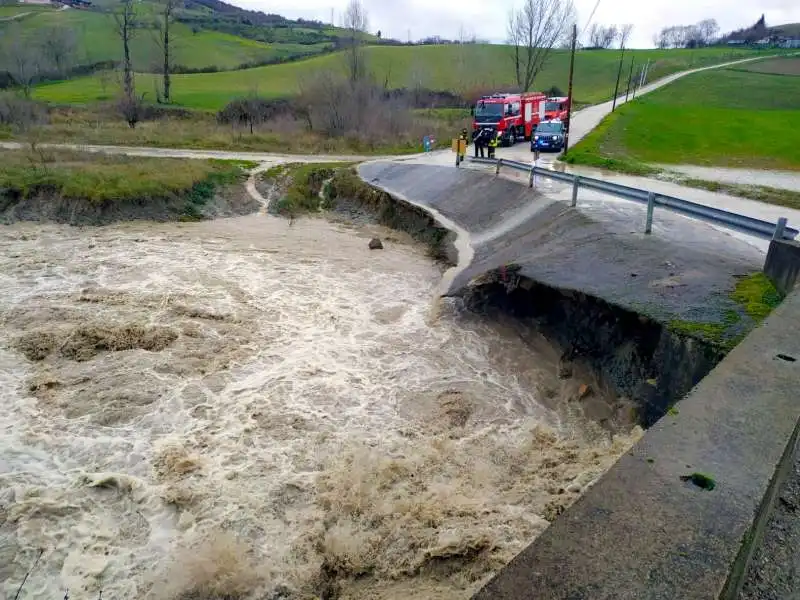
<point>643,531</point>
<point>783,264</point>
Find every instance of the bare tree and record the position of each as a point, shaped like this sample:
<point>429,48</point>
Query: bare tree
<point>601,36</point>
<point>624,35</point>
<point>22,59</point>
<point>59,45</point>
<point>687,36</point>
<point>533,31</point>
<point>164,42</point>
<point>20,113</point>
<point>355,21</point>
<point>709,29</point>
<point>125,21</point>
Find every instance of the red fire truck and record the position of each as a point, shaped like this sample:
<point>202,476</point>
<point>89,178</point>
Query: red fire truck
<point>557,108</point>
<point>515,116</point>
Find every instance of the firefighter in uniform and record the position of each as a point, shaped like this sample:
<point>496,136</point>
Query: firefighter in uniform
<point>493,144</point>
<point>465,137</point>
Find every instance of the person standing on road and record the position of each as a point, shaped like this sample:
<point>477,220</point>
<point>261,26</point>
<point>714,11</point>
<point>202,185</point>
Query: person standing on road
<point>464,136</point>
<point>493,144</point>
<point>481,143</point>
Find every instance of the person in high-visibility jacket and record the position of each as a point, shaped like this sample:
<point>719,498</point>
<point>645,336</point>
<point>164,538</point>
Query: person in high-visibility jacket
<point>463,136</point>
<point>493,144</point>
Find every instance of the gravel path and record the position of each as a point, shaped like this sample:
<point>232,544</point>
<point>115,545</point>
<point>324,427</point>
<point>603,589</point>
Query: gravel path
<point>774,572</point>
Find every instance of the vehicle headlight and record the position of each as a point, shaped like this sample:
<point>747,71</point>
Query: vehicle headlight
<point>536,138</point>
<point>556,137</point>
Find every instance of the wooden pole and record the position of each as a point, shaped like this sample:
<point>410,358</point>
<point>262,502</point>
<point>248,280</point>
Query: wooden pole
<point>630,78</point>
<point>569,93</point>
<point>619,74</point>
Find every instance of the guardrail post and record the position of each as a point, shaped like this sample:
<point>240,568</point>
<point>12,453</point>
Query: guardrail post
<point>497,168</point>
<point>651,204</point>
<point>575,185</point>
<point>780,228</point>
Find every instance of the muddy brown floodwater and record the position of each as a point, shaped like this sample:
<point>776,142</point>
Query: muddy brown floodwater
<point>247,409</point>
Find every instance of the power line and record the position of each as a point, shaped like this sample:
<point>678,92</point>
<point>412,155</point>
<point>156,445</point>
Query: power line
<point>591,16</point>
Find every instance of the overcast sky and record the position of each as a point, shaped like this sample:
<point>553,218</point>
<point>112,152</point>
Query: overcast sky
<point>487,18</point>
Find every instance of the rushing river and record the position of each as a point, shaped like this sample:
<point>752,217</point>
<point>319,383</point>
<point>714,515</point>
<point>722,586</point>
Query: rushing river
<point>247,408</point>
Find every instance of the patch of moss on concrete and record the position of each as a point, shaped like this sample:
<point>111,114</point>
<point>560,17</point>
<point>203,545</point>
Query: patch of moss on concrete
<point>757,295</point>
<point>713,332</point>
<point>704,482</point>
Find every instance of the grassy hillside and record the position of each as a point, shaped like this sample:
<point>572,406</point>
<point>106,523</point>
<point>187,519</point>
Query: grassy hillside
<point>731,117</point>
<point>14,10</point>
<point>457,68</point>
<point>785,65</point>
<point>97,42</point>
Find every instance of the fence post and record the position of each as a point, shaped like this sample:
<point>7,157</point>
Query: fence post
<point>497,168</point>
<point>651,204</point>
<point>780,227</point>
<point>575,185</point>
<point>530,179</point>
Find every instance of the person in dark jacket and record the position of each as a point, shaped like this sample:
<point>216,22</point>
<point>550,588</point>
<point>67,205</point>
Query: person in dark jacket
<point>481,141</point>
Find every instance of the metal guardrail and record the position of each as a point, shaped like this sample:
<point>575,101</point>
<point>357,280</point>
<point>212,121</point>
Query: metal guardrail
<point>755,227</point>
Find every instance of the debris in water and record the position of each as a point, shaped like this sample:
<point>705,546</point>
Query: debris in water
<point>565,370</point>
<point>375,244</point>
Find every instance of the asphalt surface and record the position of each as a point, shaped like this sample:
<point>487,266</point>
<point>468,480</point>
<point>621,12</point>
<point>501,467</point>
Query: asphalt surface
<point>683,270</point>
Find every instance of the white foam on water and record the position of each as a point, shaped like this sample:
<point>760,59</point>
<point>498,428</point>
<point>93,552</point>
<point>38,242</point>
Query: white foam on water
<point>231,406</point>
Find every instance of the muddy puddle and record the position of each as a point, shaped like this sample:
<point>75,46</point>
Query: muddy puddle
<point>248,409</point>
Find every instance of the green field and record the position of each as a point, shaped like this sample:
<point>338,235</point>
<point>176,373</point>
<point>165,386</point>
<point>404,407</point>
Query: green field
<point>98,42</point>
<point>99,178</point>
<point>457,68</point>
<point>728,117</point>
<point>785,65</point>
<point>13,10</point>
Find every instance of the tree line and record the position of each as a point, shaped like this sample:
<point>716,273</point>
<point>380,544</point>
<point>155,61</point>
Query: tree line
<point>703,33</point>
<point>605,36</point>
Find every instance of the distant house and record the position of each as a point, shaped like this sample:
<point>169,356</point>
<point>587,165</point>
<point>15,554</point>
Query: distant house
<point>791,43</point>
<point>76,3</point>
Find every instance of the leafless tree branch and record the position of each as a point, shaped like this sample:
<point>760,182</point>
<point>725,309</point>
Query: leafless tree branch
<point>21,58</point>
<point>355,21</point>
<point>534,30</point>
<point>124,16</point>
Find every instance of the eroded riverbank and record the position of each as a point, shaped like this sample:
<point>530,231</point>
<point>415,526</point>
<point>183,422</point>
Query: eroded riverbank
<point>259,409</point>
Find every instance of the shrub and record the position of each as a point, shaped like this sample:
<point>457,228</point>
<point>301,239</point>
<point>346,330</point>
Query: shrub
<point>251,111</point>
<point>19,112</point>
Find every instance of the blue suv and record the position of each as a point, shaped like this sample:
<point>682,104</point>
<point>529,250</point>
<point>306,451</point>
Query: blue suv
<point>549,135</point>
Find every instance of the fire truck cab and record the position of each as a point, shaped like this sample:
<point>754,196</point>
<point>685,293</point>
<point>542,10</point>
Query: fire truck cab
<point>557,108</point>
<point>513,116</point>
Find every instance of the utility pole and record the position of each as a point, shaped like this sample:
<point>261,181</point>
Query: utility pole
<point>569,93</point>
<point>641,76</point>
<point>619,74</point>
<point>630,77</point>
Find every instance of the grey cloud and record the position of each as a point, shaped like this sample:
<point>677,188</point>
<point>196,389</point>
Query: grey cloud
<point>486,19</point>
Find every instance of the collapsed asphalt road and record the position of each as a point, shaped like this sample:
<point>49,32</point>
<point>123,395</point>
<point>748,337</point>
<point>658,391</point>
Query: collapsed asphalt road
<point>599,248</point>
